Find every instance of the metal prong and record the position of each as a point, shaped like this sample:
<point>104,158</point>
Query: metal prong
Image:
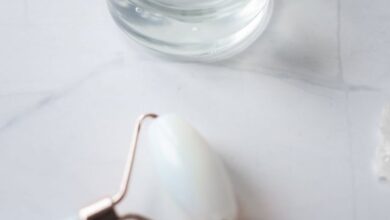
<point>100,210</point>
<point>130,160</point>
<point>105,209</point>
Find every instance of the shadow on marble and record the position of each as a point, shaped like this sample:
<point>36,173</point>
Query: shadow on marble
<point>365,44</point>
<point>301,40</point>
<point>249,204</point>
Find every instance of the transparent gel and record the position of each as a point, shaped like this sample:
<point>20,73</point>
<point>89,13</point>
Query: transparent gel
<point>203,30</point>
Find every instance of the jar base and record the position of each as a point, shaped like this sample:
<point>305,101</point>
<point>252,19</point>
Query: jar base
<point>199,37</point>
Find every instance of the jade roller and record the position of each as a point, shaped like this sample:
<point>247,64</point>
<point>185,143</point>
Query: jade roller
<point>188,169</point>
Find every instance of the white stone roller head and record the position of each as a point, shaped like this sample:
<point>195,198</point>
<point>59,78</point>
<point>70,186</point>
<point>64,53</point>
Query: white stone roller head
<point>190,171</point>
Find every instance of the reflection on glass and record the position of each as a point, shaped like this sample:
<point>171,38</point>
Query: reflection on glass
<point>202,30</point>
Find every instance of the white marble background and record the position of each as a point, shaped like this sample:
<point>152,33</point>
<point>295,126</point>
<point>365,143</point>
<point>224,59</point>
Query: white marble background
<point>295,117</point>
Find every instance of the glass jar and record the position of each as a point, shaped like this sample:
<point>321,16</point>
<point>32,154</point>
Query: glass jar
<point>200,30</point>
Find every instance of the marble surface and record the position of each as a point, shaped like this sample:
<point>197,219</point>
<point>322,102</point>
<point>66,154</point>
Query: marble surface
<point>295,117</point>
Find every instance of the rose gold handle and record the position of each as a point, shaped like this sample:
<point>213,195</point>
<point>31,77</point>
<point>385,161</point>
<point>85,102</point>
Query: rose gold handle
<point>105,208</point>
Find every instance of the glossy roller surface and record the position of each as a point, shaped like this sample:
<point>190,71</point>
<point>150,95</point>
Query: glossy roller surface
<point>190,170</point>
